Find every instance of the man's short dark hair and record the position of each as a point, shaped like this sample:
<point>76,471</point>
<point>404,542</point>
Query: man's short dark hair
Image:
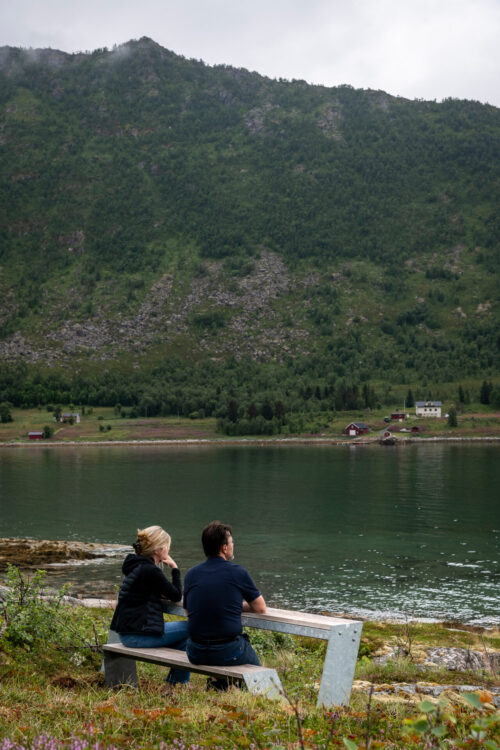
<point>214,536</point>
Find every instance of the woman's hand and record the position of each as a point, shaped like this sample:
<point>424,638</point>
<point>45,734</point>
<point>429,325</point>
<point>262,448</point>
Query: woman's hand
<point>170,561</point>
<point>161,556</point>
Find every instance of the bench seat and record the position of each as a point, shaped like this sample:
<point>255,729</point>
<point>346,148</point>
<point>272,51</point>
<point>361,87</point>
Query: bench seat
<point>342,637</point>
<point>119,668</point>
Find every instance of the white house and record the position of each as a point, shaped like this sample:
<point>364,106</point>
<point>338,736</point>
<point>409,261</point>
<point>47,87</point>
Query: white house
<point>428,408</point>
<point>67,417</point>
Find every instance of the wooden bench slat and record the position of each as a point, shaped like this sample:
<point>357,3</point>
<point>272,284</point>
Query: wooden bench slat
<point>119,666</point>
<point>298,623</point>
<point>298,618</point>
<point>171,657</point>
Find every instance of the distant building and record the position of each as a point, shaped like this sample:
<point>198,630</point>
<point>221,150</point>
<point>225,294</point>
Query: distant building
<point>75,416</point>
<point>398,416</point>
<point>428,408</point>
<point>35,435</point>
<point>356,428</point>
<point>397,428</point>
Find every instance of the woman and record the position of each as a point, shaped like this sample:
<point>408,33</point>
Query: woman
<point>138,617</point>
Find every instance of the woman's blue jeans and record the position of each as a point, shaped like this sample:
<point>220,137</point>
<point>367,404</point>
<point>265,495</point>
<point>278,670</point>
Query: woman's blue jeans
<point>229,654</point>
<point>174,635</point>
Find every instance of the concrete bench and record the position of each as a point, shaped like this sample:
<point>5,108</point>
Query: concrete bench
<point>342,635</point>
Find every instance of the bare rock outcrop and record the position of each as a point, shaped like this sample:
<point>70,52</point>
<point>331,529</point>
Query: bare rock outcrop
<point>34,553</point>
<point>253,323</point>
<point>454,659</point>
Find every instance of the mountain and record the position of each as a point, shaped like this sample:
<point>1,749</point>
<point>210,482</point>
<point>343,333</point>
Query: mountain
<point>154,207</point>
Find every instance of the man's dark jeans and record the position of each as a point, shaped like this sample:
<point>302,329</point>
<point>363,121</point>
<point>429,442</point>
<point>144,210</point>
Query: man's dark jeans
<point>229,654</point>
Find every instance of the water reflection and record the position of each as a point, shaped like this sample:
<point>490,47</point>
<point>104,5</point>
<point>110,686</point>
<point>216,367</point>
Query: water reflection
<point>411,530</point>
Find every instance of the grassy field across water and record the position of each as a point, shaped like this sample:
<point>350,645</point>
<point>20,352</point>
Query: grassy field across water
<point>104,424</point>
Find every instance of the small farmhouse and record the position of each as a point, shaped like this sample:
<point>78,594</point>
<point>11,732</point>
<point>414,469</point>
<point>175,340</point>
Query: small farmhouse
<point>428,408</point>
<point>67,417</point>
<point>356,428</point>
<point>398,416</point>
<point>35,435</point>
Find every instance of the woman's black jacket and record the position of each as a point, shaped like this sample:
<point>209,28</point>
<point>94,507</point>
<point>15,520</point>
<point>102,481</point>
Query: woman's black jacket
<point>144,588</point>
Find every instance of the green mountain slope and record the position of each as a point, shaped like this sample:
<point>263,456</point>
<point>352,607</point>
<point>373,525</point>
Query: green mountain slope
<point>152,206</point>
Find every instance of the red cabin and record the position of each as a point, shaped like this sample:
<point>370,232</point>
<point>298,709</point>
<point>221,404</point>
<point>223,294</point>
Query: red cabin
<point>356,428</point>
<point>35,435</point>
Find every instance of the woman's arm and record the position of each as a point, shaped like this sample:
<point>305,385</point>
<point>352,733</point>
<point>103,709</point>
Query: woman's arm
<point>169,590</point>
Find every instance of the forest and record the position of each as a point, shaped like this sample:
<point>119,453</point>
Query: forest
<point>169,228</point>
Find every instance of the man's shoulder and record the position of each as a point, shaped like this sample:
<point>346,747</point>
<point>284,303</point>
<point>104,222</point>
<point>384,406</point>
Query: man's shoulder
<point>196,569</point>
<point>239,571</point>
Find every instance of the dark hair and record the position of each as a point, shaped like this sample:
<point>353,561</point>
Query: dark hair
<point>214,536</point>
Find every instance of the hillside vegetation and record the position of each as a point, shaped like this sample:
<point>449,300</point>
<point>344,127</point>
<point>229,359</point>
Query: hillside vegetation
<point>161,216</point>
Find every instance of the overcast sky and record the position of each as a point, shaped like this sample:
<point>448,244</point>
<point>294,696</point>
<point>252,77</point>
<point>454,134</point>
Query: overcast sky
<point>428,49</point>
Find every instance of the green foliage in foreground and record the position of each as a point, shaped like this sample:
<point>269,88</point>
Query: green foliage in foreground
<point>36,620</point>
<point>433,726</point>
<point>52,694</point>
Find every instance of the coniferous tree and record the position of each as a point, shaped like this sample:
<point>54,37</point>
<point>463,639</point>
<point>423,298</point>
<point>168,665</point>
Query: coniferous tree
<point>5,413</point>
<point>484,394</point>
<point>452,417</point>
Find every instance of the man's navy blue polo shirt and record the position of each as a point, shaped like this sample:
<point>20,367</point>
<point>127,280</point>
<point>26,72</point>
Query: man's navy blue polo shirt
<point>213,596</point>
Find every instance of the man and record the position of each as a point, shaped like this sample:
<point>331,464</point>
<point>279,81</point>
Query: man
<point>216,592</point>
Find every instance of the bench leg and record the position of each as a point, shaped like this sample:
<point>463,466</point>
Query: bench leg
<point>340,662</point>
<point>265,682</point>
<point>119,670</point>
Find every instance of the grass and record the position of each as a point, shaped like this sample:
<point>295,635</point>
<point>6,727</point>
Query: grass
<point>436,634</point>
<point>103,424</point>
<point>57,691</point>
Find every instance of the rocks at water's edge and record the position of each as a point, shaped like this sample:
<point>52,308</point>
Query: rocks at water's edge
<point>454,659</point>
<point>31,553</point>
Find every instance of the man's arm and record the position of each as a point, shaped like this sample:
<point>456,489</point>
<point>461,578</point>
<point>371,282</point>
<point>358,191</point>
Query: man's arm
<point>258,606</point>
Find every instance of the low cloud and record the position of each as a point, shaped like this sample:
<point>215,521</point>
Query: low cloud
<point>428,49</point>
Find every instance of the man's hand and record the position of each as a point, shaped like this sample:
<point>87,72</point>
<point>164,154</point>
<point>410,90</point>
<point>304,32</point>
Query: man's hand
<point>258,606</point>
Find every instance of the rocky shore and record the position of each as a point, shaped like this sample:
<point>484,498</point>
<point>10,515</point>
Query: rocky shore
<point>32,553</point>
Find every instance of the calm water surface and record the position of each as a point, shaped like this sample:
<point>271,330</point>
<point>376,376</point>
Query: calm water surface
<point>375,531</point>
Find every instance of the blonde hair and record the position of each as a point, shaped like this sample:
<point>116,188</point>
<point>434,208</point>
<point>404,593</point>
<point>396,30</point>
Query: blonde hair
<point>151,539</point>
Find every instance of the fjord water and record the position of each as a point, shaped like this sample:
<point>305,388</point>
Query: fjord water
<point>377,531</point>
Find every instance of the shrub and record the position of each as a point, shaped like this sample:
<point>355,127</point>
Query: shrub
<point>5,415</point>
<point>30,611</point>
<point>35,617</point>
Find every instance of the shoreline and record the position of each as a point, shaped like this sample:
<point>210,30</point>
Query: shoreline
<point>193,442</point>
<point>104,603</point>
